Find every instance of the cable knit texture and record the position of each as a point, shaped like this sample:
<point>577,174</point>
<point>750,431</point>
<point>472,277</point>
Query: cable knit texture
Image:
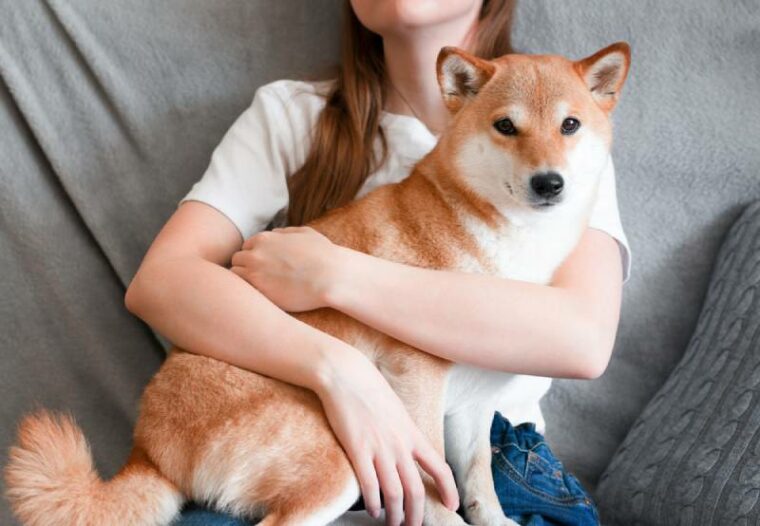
<point>693,456</point>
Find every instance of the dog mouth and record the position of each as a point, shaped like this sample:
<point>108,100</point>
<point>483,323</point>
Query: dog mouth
<point>545,204</point>
<point>542,204</point>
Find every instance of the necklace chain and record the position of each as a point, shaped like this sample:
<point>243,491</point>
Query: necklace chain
<point>407,103</point>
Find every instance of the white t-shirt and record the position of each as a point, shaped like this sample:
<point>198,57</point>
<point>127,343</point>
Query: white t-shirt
<point>269,141</point>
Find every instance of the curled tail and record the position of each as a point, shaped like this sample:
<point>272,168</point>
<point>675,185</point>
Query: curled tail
<point>50,479</point>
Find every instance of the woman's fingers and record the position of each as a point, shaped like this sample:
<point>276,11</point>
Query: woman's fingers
<point>258,236</point>
<point>393,491</point>
<point>414,492</point>
<point>365,472</point>
<point>244,258</point>
<point>291,229</point>
<point>435,466</point>
<point>237,259</point>
<point>363,409</point>
<point>248,243</point>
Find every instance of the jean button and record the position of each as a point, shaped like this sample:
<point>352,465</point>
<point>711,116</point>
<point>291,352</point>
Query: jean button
<point>495,449</point>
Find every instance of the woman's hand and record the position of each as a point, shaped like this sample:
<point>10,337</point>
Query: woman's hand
<point>382,442</point>
<point>293,266</point>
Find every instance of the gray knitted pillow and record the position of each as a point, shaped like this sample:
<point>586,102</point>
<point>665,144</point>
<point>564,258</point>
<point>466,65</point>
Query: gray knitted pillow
<point>693,456</point>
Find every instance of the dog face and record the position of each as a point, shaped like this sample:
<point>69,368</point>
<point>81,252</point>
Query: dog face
<point>531,133</point>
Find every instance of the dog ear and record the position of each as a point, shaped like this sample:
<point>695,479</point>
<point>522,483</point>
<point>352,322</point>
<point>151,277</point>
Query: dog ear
<point>460,76</point>
<point>604,73</point>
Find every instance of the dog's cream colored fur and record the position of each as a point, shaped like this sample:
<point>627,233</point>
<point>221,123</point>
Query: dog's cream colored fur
<point>252,445</point>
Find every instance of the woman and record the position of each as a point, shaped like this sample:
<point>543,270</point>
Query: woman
<point>311,146</point>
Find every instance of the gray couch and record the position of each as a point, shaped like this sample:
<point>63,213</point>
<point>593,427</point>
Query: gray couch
<point>109,112</point>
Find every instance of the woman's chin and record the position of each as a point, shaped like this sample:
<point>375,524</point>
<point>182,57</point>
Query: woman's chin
<point>390,16</point>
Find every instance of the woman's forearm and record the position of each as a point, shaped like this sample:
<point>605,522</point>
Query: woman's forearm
<point>204,308</point>
<point>485,320</point>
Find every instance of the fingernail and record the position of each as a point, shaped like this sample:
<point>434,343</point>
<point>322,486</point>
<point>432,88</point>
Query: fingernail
<point>375,513</point>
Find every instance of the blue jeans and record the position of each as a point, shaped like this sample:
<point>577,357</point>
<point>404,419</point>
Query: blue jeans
<point>533,487</point>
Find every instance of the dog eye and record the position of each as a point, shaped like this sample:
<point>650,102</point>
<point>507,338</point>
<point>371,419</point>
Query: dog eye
<point>505,127</point>
<point>570,126</point>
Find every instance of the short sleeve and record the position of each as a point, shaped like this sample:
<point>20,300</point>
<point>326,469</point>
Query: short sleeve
<point>606,217</point>
<point>246,179</point>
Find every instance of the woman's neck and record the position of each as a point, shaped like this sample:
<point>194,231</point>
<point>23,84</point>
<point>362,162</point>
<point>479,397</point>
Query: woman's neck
<point>410,65</point>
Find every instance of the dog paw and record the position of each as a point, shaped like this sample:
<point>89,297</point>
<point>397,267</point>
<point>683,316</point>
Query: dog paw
<point>480,514</point>
<point>448,522</point>
<point>441,516</point>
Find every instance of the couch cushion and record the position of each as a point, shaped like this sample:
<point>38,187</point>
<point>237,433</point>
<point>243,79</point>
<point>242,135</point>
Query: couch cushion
<point>694,453</point>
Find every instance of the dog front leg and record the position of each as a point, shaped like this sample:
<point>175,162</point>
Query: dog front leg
<point>468,449</point>
<point>419,379</point>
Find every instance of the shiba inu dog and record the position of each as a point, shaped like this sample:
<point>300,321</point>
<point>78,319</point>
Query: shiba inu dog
<point>508,190</point>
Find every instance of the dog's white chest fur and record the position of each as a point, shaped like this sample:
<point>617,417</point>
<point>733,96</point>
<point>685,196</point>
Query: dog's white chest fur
<point>529,250</point>
<point>526,252</point>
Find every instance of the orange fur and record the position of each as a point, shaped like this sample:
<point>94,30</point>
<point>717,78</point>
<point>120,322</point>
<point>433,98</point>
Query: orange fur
<point>51,480</point>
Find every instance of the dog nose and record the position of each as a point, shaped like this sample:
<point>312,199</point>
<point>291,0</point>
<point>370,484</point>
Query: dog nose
<point>547,184</point>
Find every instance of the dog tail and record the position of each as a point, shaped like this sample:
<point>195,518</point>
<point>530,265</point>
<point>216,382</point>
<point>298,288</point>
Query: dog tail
<point>50,479</point>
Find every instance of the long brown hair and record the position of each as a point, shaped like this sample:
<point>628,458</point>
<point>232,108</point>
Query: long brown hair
<point>342,154</point>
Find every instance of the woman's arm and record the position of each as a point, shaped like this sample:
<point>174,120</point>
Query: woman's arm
<point>566,329</point>
<point>184,291</point>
